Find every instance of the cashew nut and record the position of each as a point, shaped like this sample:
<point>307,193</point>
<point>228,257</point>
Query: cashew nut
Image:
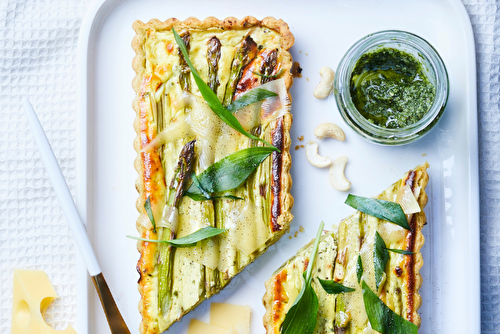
<point>337,177</point>
<point>325,86</point>
<point>331,130</point>
<point>314,158</point>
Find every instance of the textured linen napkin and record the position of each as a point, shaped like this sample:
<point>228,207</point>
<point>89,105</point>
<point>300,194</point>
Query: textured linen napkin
<point>485,18</point>
<point>38,46</point>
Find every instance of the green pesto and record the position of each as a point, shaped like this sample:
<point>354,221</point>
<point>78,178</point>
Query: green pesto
<point>389,88</point>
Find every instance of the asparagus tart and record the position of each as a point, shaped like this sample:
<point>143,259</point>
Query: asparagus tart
<point>365,275</point>
<point>213,119</point>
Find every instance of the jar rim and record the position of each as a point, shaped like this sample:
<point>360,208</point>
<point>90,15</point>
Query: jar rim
<point>404,41</point>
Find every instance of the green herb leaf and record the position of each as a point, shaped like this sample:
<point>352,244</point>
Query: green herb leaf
<point>386,210</point>
<point>193,238</point>
<point>196,182</point>
<point>269,76</point>
<point>359,269</point>
<point>400,251</point>
<point>210,97</point>
<point>331,287</point>
<point>314,252</point>
<point>196,197</point>
<point>147,207</point>
<point>382,318</point>
<point>301,317</point>
<point>380,258</point>
<point>189,240</point>
<point>252,96</point>
<point>229,172</point>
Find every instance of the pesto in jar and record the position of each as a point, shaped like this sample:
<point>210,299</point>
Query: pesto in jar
<point>389,88</point>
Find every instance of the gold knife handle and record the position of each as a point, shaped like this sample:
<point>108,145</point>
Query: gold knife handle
<point>115,320</point>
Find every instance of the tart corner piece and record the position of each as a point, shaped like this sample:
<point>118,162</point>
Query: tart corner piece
<point>285,284</point>
<point>161,77</point>
<point>354,238</point>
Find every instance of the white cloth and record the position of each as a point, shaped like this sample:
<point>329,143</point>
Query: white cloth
<point>38,45</point>
<point>485,18</point>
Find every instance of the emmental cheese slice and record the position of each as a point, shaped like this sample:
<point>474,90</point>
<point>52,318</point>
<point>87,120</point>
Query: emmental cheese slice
<point>231,317</point>
<point>224,319</point>
<point>199,327</point>
<point>33,293</point>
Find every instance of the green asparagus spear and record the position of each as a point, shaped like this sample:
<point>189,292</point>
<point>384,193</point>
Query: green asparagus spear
<point>207,207</point>
<point>245,52</point>
<point>166,253</point>
<point>268,66</point>
<point>182,173</point>
<point>184,76</point>
<point>211,275</point>
<point>159,121</point>
<point>213,56</point>
<point>341,325</point>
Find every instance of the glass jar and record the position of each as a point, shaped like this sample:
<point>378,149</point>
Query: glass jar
<point>432,65</point>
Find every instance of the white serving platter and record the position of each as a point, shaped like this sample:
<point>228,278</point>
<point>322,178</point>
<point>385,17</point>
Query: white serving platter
<point>323,30</point>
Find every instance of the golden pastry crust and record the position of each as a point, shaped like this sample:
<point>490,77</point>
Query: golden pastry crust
<point>275,298</point>
<point>414,242</point>
<point>151,179</point>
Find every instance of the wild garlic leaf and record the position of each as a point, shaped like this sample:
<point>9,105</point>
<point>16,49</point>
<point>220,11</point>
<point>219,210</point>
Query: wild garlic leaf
<point>229,172</point>
<point>210,97</point>
<point>196,182</point>
<point>189,240</point>
<point>359,268</point>
<point>196,197</point>
<point>312,258</point>
<point>386,210</point>
<point>332,287</point>
<point>193,238</point>
<point>400,251</point>
<point>301,317</point>
<point>382,318</point>
<point>147,207</point>
<point>252,96</point>
<point>380,258</point>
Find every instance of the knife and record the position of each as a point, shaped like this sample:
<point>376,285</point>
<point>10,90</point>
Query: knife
<point>115,319</point>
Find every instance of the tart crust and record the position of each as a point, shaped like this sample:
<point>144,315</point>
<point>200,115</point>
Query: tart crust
<point>151,179</point>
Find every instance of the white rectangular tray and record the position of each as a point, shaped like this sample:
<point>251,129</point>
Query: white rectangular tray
<point>323,32</point>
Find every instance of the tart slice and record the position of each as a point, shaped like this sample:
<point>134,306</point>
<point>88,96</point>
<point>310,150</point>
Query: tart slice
<point>285,285</point>
<point>176,127</point>
<point>399,285</point>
